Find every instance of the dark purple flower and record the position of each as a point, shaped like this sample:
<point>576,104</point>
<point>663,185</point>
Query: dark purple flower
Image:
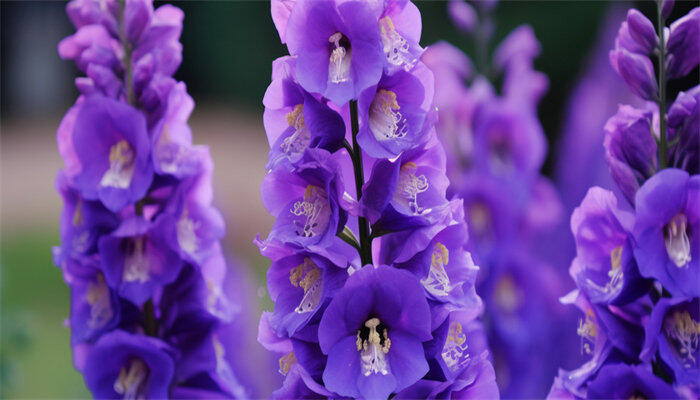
<point>630,148</point>
<point>642,30</point>
<point>637,71</point>
<point>294,119</point>
<point>624,40</point>
<point>126,365</point>
<point>667,7</point>
<point>136,261</point>
<point>462,14</point>
<point>372,332</point>
<point>683,128</point>
<point>82,221</point>
<point>306,201</point>
<point>683,46</point>
<point>407,192</point>
<point>300,285</point>
<point>674,331</point>
<point>462,346</point>
<point>623,381</point>
<point>113,149</point>
<point>445,268</point>
<point>338,47</point>
<point>666,231</point>
<point>604,267</point>
<point>393,113</point>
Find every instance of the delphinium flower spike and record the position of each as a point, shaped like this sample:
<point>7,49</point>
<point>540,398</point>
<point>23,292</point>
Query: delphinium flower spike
<point>496,148</point>
<point>139,236</point>
<point>373,287</point>
<point>636,267</point>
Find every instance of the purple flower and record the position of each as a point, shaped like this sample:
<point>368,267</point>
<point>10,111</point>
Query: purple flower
<point>341,55</point>
<point>683,48</point>
<point>672,330</point>
<point>666,231</point>
<point>301,285</point>
<point>393,112</point>
<point>115,165</point>
<point>683,128</point>
<point>407,192</point>
<point>281,10</point>
<point>372,332</point>
<point>462,14</point>
<point>621,381</point>
<point>667,7</point>
<point>136,260</point>
<point>630,149</point>
<point>294,119</point>
<point>519,46</point>
<point>125,365</point>
<point>637,71</point>
<point>400,29</point>
<point>313,216</point>
<point>604,267</point>
<point>642,30</point>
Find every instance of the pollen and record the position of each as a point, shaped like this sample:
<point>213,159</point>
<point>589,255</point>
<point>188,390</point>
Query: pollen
<point>396,47</point>
<point>385,120</point>
<point>286,362</point>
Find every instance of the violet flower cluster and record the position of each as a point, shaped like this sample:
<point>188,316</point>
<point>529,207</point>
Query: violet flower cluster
<point>636,266</point>
<point>139,236</point>
<point>373,287</point>
<point>497,147</point>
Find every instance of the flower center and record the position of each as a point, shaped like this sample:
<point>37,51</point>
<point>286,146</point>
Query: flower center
<point>339,60</point>
<point>136,268</point>
<point>373,347</point>
<point>677,242</point>
<point>131,383</point>
<point>437,282</point>
<point>684,331</point>
<point>500,150</point>
<point>385,121</point>
<point>454,353</point>
<point>311,210</point>
<point>99,301</point>
<point>286,362</point>
<point>186,233</point>
<point>308,277</point>
<point>410,186</point>
<point>299,140</point>
<point>396,48</point>
<point>169,154</point>
<point>121,166</point>
<point>588,332</point>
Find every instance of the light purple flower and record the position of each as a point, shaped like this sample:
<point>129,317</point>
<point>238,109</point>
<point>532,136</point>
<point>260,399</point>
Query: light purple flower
<point>338,47</point>
<point>462,14</point>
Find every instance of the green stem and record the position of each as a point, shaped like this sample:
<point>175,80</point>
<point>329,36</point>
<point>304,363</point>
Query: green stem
<point>663,157</point>
<point>356,155</point>
<point>149,315</point>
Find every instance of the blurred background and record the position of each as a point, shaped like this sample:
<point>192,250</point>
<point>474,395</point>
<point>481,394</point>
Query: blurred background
<point>228,50</point>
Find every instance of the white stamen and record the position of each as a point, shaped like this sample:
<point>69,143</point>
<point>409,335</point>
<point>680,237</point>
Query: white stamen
<point>685,331</point>
<point>677,242</point>
<point>410,186</point>
<point>454,353</point>
<point>372,351</point>
<point>588,332</point>
<point>136,268</point>
<point>121,166</point>
<point>314,202</point>
<point>385,121</point>
<point>308,277</point>
<point>339,62</point>
<point>395,47</point>
<point>100,305</point>
<point>615,274</point>
<point>438,282</point>
<point>131,383</point>
<point>299,140</point>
